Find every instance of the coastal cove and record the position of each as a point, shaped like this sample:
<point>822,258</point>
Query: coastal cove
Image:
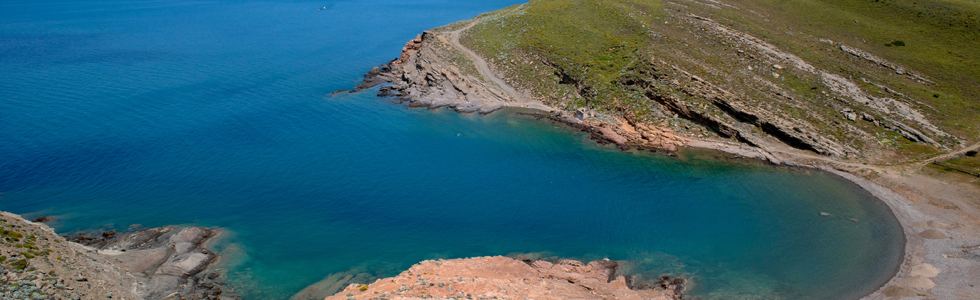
<point>725,224</point>
<point>110,124</point>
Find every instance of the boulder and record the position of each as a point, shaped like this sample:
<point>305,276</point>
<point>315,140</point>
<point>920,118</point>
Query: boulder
<point>187,264</point>
<point>193,234</point>
<point>184,247</point>
<point>42,219</point>
<point>141,239</point>
<point>612,136</point>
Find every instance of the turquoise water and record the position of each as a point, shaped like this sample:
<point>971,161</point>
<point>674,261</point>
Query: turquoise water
<point>217,114</point>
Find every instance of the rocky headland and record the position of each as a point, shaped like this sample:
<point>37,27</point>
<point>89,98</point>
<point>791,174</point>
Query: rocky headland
<point>428,74</point>
<point>156,263</point>
<point>730,82</point>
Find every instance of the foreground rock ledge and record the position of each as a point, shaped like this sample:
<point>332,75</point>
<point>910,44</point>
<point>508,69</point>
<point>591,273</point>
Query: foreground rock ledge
<point>156,263</point>
<point>500,277</point>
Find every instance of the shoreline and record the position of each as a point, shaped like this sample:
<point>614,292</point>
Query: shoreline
<point>897,204</point>
<point>916,274</point>
<point>893,201</point>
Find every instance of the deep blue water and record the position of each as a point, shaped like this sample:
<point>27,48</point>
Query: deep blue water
<point>211,113</point>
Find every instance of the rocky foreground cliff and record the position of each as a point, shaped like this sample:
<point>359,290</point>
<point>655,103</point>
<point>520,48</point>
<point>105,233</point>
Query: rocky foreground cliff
<point>156,263</point>
<point>507,278</point>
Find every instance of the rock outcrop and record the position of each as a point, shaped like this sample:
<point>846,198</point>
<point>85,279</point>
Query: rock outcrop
<point>156,263</point>
<point>425,76</point>
<point>624,134</point>
<point>162,262</point>
<point>434,71</point>
<point>36,263</point>
<point>506,278</point>
<point>745,89</point>
<point>428,74</point>
<point>410,48</point>
<point>797,132</point>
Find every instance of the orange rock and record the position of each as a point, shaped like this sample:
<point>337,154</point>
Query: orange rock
<point>503,278</point>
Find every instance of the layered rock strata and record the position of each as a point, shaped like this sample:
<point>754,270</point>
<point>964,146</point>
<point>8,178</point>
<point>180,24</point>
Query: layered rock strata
<point>424,76</point>
<point>427,74</point>
<point>434,70</point>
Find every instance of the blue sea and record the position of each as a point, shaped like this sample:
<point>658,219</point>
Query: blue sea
<point>117,115</point>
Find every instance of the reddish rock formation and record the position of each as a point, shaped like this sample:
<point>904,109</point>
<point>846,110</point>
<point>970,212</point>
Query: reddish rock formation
<point>410,48</point>
<point>503,278</point>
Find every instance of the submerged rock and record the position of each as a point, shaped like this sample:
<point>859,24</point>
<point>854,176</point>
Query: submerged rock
<point>42,219</point>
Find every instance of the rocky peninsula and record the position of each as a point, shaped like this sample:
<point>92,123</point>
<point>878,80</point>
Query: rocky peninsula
<point>746,79</point>
<point>155,263</point>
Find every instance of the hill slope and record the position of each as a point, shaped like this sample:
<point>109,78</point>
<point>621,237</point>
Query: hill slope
<point>862,81</point>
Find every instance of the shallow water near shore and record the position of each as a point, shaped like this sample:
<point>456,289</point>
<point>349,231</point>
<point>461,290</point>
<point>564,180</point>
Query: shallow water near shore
<point>218,114</point>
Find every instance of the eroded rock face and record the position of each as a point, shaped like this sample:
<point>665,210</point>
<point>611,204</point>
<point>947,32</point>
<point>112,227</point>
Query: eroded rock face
<point>160,263</point>
<point>505,278</point>
<point>35,260</point>
<point>427,77</point>
<point>163,264</point>
<point>141,239</point>
<point>410,48</point>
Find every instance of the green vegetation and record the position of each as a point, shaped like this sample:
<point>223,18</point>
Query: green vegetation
<point>28,246</point>
<point>585,45</point>
<point>20,264</point>
<point>966,163</point>
<point>895,43</point>
<point>598,53</point>
<point>941,39</point>
<point>11,236</point>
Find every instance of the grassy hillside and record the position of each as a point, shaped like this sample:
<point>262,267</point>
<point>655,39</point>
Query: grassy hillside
<point>596,54</point>
<point>940,40</point>
<point>593,43</point>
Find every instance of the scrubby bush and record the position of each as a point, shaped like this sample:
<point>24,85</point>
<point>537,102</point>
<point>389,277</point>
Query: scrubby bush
<point>896,43</point>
